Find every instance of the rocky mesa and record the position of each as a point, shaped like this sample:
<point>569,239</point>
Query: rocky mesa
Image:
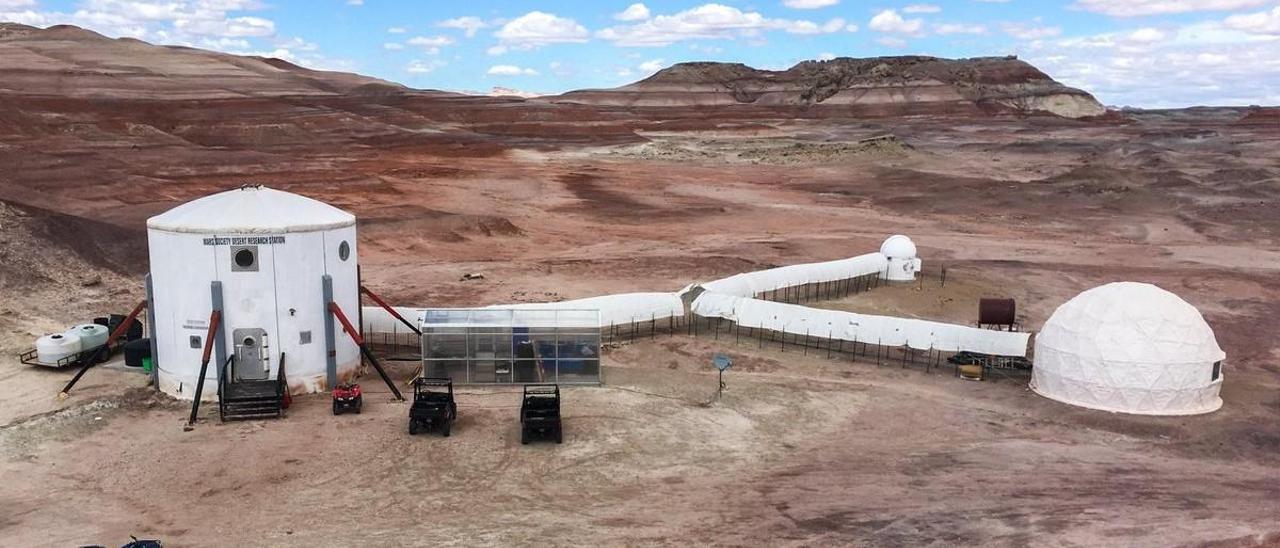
<point>879,85</point>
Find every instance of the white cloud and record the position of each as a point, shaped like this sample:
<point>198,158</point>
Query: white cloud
<point>430,41</point>
<point>1024,31</point>
<point>826,56</point>
<point>892,42</point>
<point>809,4</point>
<point>297,44</point>
<point>1136,8</point>
<point>709,22</point>
<point>397,30</point>
<point>634,12</point>
<point>355,2</point>
<point>468,24</point>
<point>422,67</point>
<point>496,50</point>
<point>560,68</point>
<point>511,70</point>
<point>959,28</point>
<point>922,8</point>
<point>809,27</point>
<point>185,22</point>
<point>890,21</point>
<point>1265,22</point>
<point>232,26</point>
<point>1147,35</point>
<point>653,65</point>
<point>536,28</point>
<point>25,17</point>
<point>1210,66</point>
<point>851,28</point>
<point>393,46</point>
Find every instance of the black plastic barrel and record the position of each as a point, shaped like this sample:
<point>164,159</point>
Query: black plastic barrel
<point>136,350</point>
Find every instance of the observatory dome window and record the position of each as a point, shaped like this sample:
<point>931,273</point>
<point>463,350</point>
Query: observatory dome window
<point>244,258</point>
<point>344,250</point>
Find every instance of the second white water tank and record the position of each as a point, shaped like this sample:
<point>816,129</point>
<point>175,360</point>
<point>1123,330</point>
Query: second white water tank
<point>91,335</point>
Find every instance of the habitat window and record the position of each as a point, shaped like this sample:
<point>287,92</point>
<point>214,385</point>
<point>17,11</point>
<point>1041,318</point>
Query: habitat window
<point>244,258</point>
<point>506,346</point>
<point>344,250</point>
<point>1217,370</point>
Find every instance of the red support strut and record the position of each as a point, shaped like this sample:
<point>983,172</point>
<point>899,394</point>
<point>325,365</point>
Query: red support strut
<point>364,349</point>
<point>390,310</point>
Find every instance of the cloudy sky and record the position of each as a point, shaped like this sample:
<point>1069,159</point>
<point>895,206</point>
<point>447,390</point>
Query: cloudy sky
<point>1150,53</point>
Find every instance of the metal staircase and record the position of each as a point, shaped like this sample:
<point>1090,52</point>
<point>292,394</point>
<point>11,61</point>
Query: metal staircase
<point>251,399</point>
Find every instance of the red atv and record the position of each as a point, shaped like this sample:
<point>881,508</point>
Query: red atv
<point>347,396</point>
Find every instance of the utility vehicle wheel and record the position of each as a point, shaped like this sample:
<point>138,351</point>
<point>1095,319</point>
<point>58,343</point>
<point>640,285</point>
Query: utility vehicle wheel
<point>445,429</point>
<point>413,428</point>
<point>337,409</point>
<point>559,435</point>
<point>524,437</point>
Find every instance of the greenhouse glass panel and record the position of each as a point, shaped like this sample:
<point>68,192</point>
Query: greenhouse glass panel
<point>512,346</point>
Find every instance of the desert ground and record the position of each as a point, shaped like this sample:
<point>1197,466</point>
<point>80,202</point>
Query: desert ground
<point>553,202</point>
<point>803,449</point>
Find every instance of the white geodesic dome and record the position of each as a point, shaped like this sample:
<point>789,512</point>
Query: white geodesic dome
<point>1131,348</point>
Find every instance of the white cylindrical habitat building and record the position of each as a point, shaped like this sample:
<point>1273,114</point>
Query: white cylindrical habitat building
<point>1130,348</point>
<point>903,263</point>
<point>270,252</point>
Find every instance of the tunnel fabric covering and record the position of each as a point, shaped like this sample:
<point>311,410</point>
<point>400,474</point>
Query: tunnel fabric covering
<point>620,309</point>
<point>732,298</point>
<point>375,319</point>
<point>750,284</point>
<point>850,326</point>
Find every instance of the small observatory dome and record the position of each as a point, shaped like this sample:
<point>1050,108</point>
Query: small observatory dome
<point>1131,348</point>
<point>903,264</point>
<point>268,255</point>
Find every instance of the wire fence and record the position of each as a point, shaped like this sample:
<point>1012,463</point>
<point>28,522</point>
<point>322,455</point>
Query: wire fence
<point>402,344</point>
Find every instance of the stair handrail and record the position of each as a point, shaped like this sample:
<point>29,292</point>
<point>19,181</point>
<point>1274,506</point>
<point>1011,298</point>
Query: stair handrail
<point>222,385</point>
<point>282,382</point>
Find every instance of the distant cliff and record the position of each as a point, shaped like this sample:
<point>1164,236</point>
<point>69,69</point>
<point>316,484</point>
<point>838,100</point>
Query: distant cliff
<point>888,83</point>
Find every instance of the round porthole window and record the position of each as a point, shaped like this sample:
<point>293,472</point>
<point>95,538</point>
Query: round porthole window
<point>344,250</point>
<point>244,258</point>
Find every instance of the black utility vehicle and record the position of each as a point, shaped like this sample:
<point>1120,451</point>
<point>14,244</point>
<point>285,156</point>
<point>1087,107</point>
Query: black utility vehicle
<point>433,406</point>
<point>540,413</point>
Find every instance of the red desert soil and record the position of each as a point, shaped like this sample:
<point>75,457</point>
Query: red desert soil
<point>553,200</point>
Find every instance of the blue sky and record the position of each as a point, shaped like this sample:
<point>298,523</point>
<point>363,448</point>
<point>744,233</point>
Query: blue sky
<point>1151,53</point>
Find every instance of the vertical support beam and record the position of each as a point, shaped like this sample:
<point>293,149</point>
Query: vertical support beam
<point>219,335</point>
<point>360,305</point>
<point>151,332</point>
<point>330,344</point>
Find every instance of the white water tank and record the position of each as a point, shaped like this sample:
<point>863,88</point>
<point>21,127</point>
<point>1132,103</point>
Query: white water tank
<point>901,254</point>
<point>91,335</point>
<point>270,250</point>
<point>52,348</point>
